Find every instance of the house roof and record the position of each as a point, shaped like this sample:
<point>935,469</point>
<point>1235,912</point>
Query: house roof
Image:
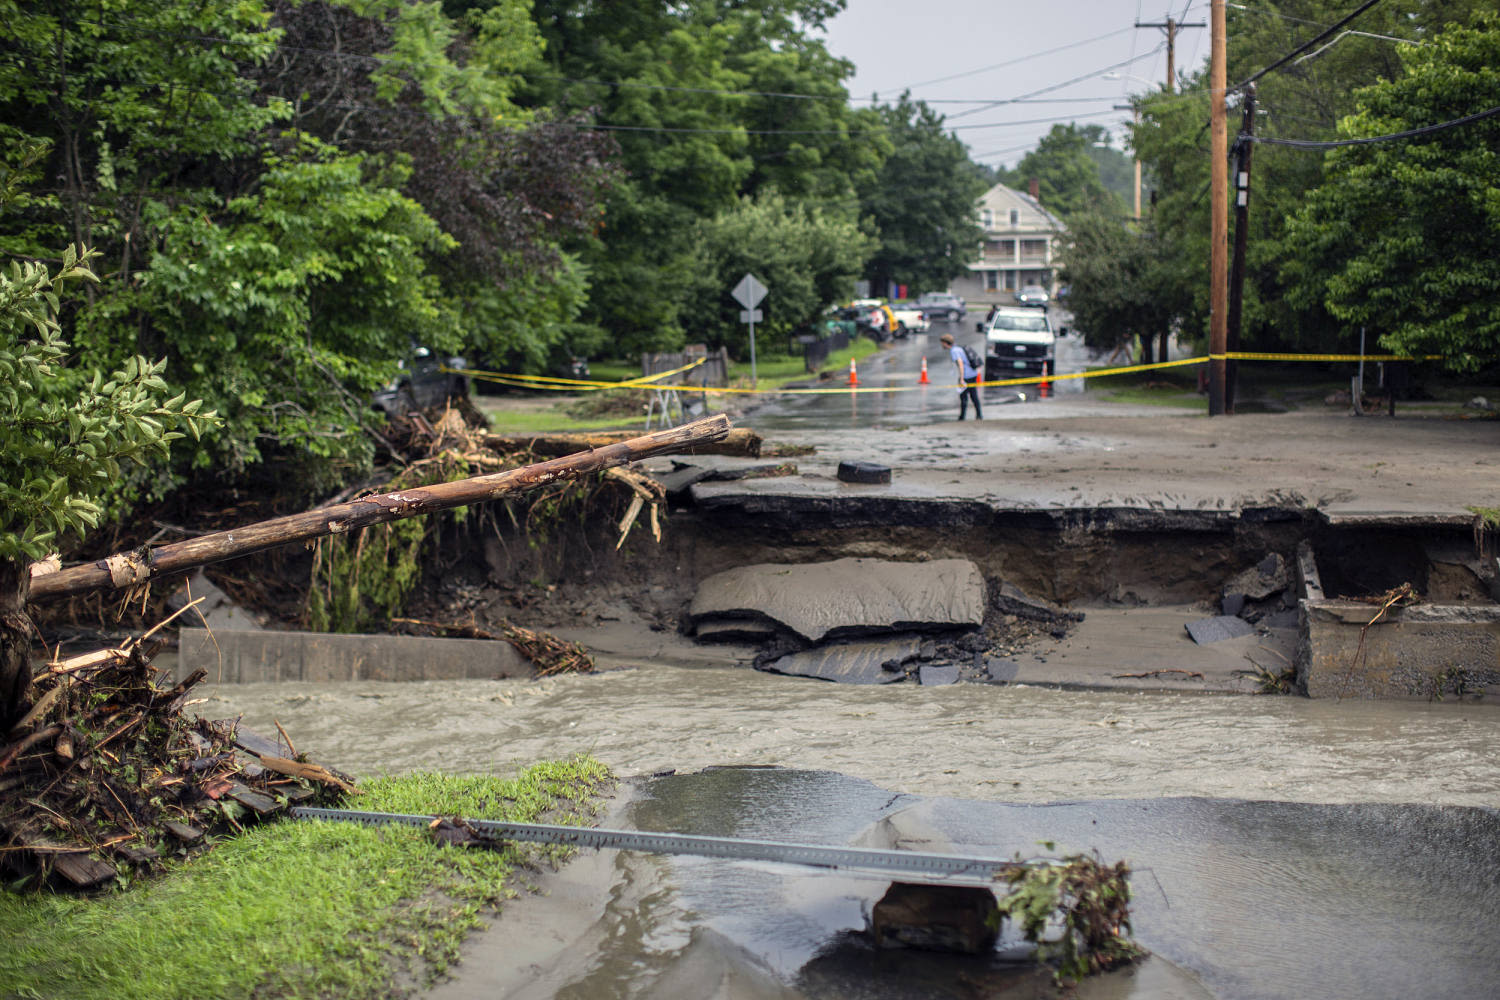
<point>1033,217</point>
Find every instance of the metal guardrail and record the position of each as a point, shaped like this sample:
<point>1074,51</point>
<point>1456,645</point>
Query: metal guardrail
<point>911,866</point>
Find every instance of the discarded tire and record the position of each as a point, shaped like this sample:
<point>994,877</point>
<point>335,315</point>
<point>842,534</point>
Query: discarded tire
<point>864,472</point>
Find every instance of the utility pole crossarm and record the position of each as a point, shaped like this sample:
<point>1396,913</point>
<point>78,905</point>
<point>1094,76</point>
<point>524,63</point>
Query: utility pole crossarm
<point>1171,26</point>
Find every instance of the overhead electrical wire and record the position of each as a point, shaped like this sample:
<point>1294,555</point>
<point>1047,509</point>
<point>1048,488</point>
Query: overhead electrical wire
<point>1014,62</point>
<point>1055,86</point>
<point>1367,140</point>
<point>1305,46</point>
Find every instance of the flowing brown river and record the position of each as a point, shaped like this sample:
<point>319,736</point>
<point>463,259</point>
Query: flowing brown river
<point>1284,847</point>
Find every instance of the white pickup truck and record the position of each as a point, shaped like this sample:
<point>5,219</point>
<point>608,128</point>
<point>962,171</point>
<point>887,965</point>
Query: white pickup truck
<point>1019,342</point>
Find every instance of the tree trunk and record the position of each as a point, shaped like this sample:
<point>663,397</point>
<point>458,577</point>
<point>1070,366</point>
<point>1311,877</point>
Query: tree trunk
<point>128,569</point>
<point>1147,357</point>
<point>740,441</point>
<point>16,631</point>
<point>1166,336</point>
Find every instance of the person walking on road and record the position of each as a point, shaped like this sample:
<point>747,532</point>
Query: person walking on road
<point>967,376</point>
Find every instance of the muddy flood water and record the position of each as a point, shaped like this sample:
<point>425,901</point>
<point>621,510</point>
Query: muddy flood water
<point>1284,847</point>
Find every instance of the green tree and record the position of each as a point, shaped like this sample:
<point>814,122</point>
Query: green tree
<point>63,435</point>
<point>1303,99</point>
<point>1066,170</point>
<point>1121,283</point>
<point>922,201</point>
<point>284,307</point>
<point>806,258</point>
<point>1400,237</point>
<point>286,196</point>
<point>709,101</point>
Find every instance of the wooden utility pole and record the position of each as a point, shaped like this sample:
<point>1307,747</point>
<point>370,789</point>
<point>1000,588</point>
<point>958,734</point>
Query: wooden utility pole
<point>1243,147</point>
<point>1171,26</point>
<point>128,569</point>
<point>1136,117</point>
<point>1219,210</point>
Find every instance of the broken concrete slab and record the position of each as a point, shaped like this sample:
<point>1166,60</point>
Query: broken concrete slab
<point>243,657</point>
<point>1423,651</point>
<point>682,477</point>
<point>1001,671</point>
<point>215,610</point>
<point>850,663</point>
<point>1012,600</point>
<point>1269,576</point>
<point>1218,628</point>
<point>937,674</point>
<point>847,597</point>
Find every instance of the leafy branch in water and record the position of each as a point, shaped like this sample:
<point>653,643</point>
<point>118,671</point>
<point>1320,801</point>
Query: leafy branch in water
<point>1085,900</point>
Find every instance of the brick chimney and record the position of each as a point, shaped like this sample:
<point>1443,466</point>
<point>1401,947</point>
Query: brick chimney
<point>1034,188</point>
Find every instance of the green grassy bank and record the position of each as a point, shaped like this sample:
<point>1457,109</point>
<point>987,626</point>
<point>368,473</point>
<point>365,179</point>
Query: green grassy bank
<point>295,908</point>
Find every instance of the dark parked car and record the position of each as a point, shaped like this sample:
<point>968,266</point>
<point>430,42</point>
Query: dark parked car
<point>422,382</point>
<point>942,305</point>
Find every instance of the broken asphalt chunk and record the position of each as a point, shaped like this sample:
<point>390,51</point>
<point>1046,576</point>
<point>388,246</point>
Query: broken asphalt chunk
<point>1218,628</point>
<point>846,597</point>
<point>851,663</point>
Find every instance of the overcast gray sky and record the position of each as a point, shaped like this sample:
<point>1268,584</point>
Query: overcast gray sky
<point>1051,57</point>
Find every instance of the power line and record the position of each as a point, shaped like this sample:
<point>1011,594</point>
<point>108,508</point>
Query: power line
<point>1407,134</point>
<point>1013,62</point>
<point>1056,86</point>
<point>1306,45</point>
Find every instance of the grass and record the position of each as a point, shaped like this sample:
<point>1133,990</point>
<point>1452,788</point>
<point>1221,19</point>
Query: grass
<point>1160,388</point>
<point>553,419</point>
<point>777,372</point>
<point>294,908</point>
<point>1489,516</point>
<point>536,413</point>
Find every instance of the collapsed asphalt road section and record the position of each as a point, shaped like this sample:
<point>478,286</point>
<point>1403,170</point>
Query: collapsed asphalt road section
<point>853,620</point>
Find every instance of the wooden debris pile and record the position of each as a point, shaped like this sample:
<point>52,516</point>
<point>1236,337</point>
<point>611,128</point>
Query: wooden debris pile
<point>106,777</point>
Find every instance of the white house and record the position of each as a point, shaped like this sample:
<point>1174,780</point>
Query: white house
<point>1019,237</point>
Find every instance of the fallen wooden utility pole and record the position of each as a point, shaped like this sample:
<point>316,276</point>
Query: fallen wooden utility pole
<point>740,441</point>
<point>130,568</point>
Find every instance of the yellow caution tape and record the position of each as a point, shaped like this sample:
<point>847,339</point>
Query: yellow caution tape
<point>517,380</point>
<point>647,381</point>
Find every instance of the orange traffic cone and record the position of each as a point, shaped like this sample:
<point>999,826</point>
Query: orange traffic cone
<point>1044,388</point>
<point>853,373</point>
<point>923,379</point>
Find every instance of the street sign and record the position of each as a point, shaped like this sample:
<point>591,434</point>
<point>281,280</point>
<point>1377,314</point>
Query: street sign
<point>749,291</point>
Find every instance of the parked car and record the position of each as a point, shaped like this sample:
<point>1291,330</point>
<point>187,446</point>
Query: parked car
<point>942,305</point>
<point>909,317</point>
<point>422,382</point>
<point>1032,295</point>
<point>876,319</point>
<point>1018,342</point>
